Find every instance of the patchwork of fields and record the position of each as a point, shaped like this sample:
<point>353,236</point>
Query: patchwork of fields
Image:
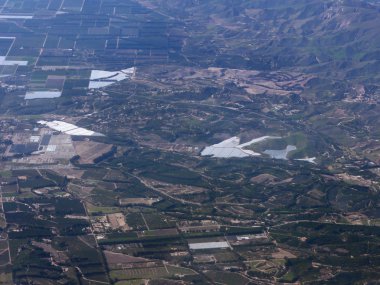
<point>178,142</point>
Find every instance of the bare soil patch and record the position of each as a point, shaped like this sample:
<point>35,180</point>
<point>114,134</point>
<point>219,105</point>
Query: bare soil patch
<point>89,150</point>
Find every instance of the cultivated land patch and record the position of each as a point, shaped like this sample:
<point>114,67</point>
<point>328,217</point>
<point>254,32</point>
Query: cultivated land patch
<point>134,205</point>
<point>90,150</point>
<point>119,259</point>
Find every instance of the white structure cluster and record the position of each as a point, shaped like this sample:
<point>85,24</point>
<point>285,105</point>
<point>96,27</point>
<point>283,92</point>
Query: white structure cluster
<point>209,245</point>
<point>69,129</point>
<point>102,78</point>
<point>42,95</point>
<point>232,148</point>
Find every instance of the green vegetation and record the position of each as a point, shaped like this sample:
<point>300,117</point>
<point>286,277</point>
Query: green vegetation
<point>227,278</point>
<point>205,71</point>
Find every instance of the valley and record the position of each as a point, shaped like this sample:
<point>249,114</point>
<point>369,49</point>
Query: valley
<point>189,142</point>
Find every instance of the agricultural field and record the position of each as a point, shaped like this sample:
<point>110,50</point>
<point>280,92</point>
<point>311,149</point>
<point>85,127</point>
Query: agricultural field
<point>189,142</point>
